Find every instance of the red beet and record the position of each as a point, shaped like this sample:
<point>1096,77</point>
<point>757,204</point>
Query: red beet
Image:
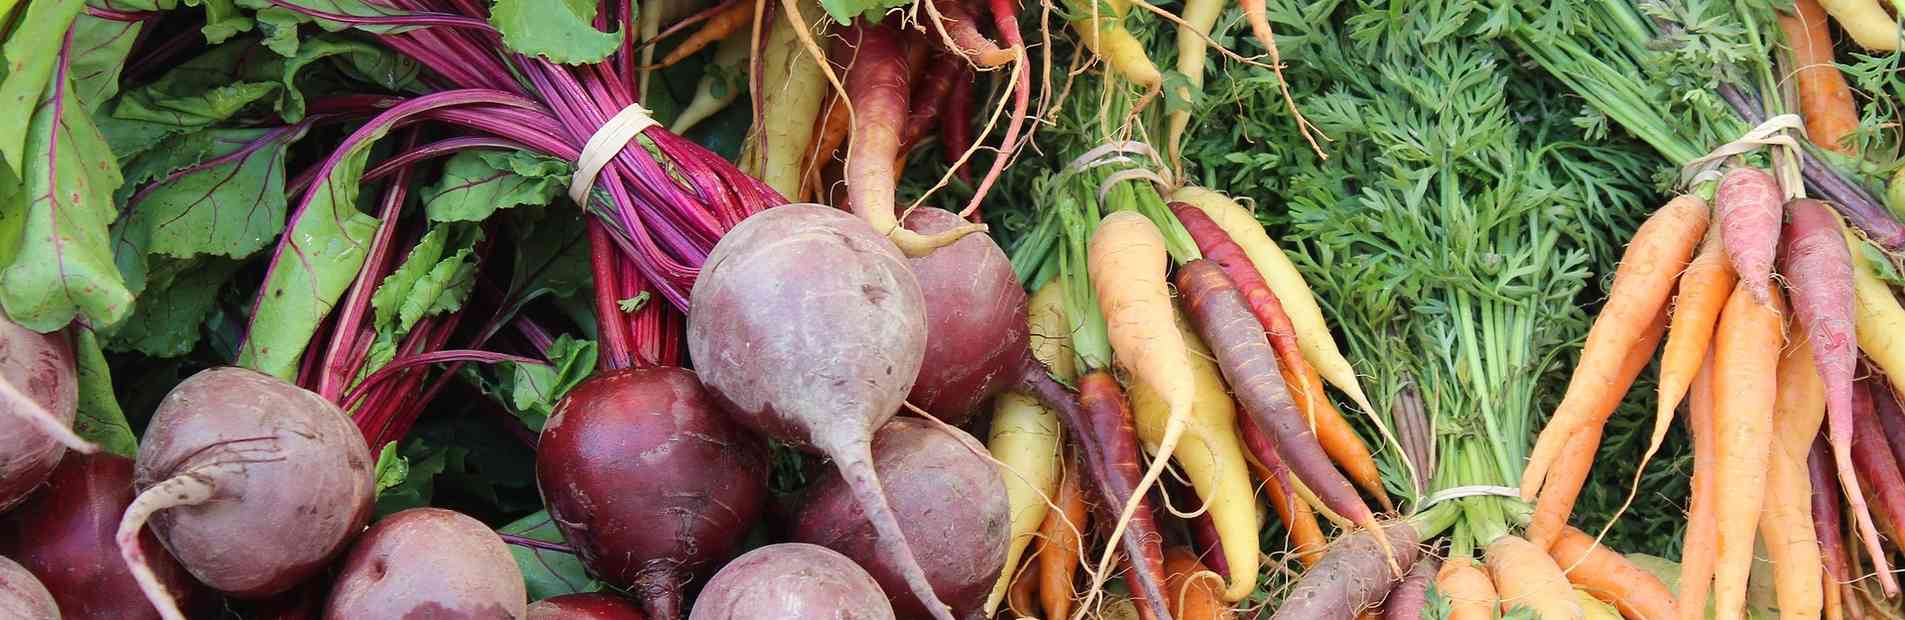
<point>64,534</point>
<point>590,606</point>
<point>39,395</point>
<point>253,483</point>
<point>951,504</point>
<point>650,482</point>
<point>975,320</point>
<point>792,581</point>
<point>21,595</point>
<point>428,563</point>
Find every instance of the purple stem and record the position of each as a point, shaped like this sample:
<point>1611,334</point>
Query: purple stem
<point>440,148</point>
<point>434,357</point>
<point>524,541</point>
<point>412,19</point>
<point>339,359</point>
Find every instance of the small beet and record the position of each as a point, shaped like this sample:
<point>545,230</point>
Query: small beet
<point>792,581</point>
<point>976,334</point>
<point>951,503</point>
<point>253,483</point>
<point>64,534</point>
<point>650,481</point>
<point>21,595</point>
<point>428,563</point>
<point>39,395</point>
<point>584,606</point>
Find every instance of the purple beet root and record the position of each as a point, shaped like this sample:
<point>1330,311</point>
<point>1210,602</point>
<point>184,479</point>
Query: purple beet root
<point>975,320</point>
<point>21,595</point>
<point>648,479</point>
<point>39,395</point>
<point>428,563</point>
<point>792,581</point>
<point>589,606</point>
<point>64,534</point>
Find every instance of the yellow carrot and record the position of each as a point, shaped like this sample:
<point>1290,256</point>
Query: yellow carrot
<point>793,89</point>
<point>1866,22</point>
<point>1025,438</point>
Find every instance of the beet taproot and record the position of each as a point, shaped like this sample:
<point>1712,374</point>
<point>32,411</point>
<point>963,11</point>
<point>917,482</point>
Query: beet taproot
<point>792,581</point>
<point>22,597</point>
<point>976,332</point>
<point>39,395</point>
<point>428,563</point>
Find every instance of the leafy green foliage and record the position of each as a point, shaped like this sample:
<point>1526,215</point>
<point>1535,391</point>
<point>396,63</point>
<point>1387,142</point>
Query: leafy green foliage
<point>31,51</point>
<point>548,572</point>
<point>477,183</point>
<point>845,11</point>
<point>100,420</point>
<point>557,30</point>
<point>531,391</point>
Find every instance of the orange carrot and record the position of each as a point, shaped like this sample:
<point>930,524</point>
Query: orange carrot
<point>1696,555</point>
<point>1019,596</point>
<point>730,19</point>
<point>1557,501</point>
<point>1610,577</point>
<point>1469,591</point>
<point>1825,101</point>
<point>1306,535</point>
<point>1334,433</point>
<point>1745,372</point>
<point>1525,576</point>
<point>1654,258</point>
<point>1785,525</point>
<point>1704,288</point>
<point>1195,592</point>
<point>830,132</point>
<point>1058,554</point>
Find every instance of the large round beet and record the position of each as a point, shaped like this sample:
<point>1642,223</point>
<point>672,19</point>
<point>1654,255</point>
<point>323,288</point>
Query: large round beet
<point>975,320</point>
<point>64,534</point>
<point>650,481</point>
<point>36,378</point>
<point>21,595</point>
<point>951,503</point>
<point>252,483</point>
<point>428,563</point>
<point>792,581</point>
<point>586,606</point>
<point>809,327</point>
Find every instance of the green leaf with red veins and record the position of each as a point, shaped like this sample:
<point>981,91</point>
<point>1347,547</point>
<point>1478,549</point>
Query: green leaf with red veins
<point>557,30</point>
<point>31,52</point>
<point>100,419</point>
<point>99,53</point>
<point>53,222</point>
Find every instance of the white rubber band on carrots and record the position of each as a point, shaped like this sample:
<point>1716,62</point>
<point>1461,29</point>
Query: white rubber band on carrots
<point>1473,490</point>
<point>1109,153</point>
<point>602,147</point>
<point>1772,133</point>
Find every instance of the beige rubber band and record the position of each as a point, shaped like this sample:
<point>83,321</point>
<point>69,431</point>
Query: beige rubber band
<point>1774,133</point>
<point>1475,490</point>
<point>610,139</point>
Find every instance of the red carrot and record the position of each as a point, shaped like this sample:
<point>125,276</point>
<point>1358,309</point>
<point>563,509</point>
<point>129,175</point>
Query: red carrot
<point>968,43</point>
<point>1748,202</point>
<point>1873,458</point>
<point>1826,518</point>
<point>929,97</point>
<point>955,129</point>
<point>1891,418</point>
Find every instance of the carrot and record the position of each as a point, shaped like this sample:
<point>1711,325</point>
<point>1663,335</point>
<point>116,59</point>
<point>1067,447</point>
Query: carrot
<point>929,97</point>
<point>1885,403</point>
<point>1469,591</point>
<point>1058,555</point>
<point>830,131</point>
<point>1195,592</point>
<point>1199,16</point>
<point>1786,527</point>
<point>791,89</point>
<point>955,132</point>
<point>1557,499</point>
<point>1108,420</point>
<point>1825,101</point>
<point>1703,290</point>
<point>877,87</point>
<point>1306,536</point>
<point>730,55</point>
<point>1024,436</point>
<point>1866,22</point>
<point>1354,575</point>
<point>1203,530</point>
<point>1338,439</point>
<point>1100,27</point>
<point>1745,373</point>
<point>967,42</point>
<point>1525,576</point>
<point>1696,556</point>
<point>1654,258</point>
<point>1748,205</point>
<point>1211,458</point>
<point>1824,295</point>
<point>1873,458</point>
<point>719,26</point>
<point>1609,576</point>
<point>1244,355</point>
<point>1025,582</point>
<point>1410,598</point>
<point>1826,517</point>
<point>1281,275</point>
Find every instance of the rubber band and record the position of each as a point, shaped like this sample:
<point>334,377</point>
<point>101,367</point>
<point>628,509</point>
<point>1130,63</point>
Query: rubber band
<point>1127,175</point>
<point>1774,133</point>
<point>1474,490</point>
<point>1109,151</point>
<point>602,147</point>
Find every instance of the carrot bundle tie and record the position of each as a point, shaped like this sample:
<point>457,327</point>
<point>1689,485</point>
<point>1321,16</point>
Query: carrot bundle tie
<point>1109,153</point>
<point>608,141</point>
<point>1473,490</point>
<point>1774,133</point>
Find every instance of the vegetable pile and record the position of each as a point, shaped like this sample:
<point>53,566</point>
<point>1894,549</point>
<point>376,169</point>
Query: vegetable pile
<point>949,309</point>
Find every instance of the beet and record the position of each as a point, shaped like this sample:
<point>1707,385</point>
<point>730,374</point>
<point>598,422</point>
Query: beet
<point>975,320</point>
<point>792,581</point>
<point>428,563</point>
<point>39,395</point>
<point>64,534</point>
<point>951,503</point>
<point>650,482</point>
<point>21,595</point>
<point>253,483</point>
<point>585,606</point>
<point>809,327</point>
